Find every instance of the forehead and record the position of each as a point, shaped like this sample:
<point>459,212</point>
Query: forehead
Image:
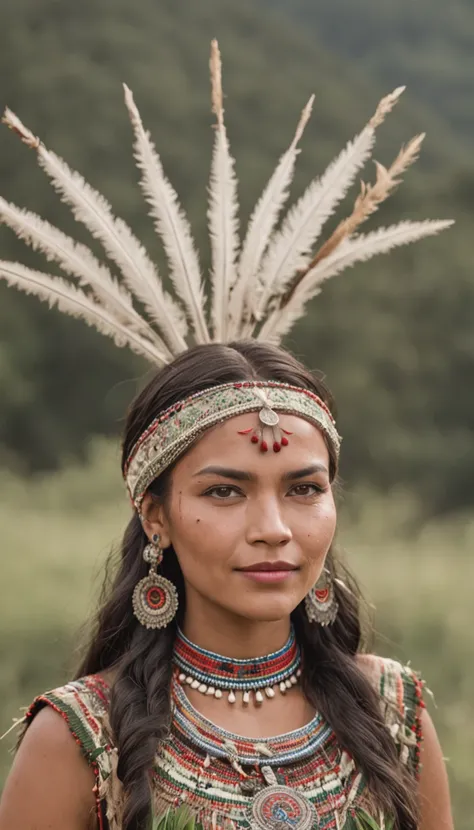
<point>224,443</point>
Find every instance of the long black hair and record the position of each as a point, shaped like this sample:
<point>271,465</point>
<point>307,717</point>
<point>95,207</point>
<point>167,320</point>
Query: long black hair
<point>332,680</point>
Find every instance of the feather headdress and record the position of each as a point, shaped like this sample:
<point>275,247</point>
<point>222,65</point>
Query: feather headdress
<point>258,289</point>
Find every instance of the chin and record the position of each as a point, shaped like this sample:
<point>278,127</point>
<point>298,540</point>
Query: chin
<point>267,609</point>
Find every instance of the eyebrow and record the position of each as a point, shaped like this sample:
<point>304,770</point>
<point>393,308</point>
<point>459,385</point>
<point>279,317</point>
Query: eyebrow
<point>242,475</point>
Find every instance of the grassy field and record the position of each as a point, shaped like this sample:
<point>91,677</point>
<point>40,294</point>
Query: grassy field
<point>57,531</point>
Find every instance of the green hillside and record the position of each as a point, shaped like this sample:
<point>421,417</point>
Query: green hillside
<point>427,44</point>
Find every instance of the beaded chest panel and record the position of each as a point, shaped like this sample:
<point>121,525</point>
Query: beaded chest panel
<point>224,777</point>
<point>292,781</point>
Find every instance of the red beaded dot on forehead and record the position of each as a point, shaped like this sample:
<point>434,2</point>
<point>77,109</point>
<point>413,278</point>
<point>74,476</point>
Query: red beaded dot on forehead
<point>269,423</point>
<point>178,427</point>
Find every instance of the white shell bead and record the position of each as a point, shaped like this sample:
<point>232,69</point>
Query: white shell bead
<point>246,697</point>
<point>189,680</point>
<point>298,673</point>
<point>231,697</point>
<point>288,684</point>
<point>269,692</point>
<point>282,687</point>
<point>259,697</point>
<point>181,678</point>
<point>218,694</point>
<point>211,691</point>
<point>195,684</point>
<point>202,688</point>
<point>293,680</point>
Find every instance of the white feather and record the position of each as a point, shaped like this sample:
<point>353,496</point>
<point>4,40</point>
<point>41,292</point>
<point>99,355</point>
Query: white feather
<point>170,223</point>
<point>73,301</point>
<point>261,226</point>
<point>222,211</point>
<point>304,222</point>
<point>223,230</point>
<point>358,249</point>
<point>93,210</point>
<point>78,261</point>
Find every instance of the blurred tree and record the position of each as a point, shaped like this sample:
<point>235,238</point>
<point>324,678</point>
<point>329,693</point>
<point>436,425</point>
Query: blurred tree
<point>427,45</point>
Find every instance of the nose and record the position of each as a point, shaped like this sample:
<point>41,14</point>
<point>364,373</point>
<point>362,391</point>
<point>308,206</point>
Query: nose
<point>266,523</point>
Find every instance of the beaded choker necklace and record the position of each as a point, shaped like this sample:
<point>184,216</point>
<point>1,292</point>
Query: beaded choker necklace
<point>213,674</point>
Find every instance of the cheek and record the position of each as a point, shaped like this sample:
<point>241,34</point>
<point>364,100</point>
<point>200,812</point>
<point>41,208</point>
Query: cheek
<point>201,538</point>
<point>319,538</point>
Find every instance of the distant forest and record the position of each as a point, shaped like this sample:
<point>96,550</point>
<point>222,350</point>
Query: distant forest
<point>394,338</point>
<point>427,44</point>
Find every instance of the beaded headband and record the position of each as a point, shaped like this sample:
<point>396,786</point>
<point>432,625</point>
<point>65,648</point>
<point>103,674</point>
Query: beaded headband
<point>179,426</point>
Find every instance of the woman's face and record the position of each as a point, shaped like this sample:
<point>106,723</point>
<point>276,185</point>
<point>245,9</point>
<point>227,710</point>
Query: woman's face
<point>251,530</point>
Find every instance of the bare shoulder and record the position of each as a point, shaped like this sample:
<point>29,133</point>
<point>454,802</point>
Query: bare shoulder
<point>435,803</point>
<point>434,797</point>
<point>50,785</point>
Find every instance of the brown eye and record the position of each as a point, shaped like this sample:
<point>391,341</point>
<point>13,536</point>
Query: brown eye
<point>306,490</point>
<point>222,492</point>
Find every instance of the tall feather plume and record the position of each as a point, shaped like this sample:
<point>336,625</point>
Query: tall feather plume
<point>223,208</point>
<point>358,249</point>
<point>74,301</point>
<point>276,275</point>
<point>288,251</point>
<point>170,223</point>
<point>120,244</point>
<point>78,261</point>
<point>370,198</point>
<point>261,225</point>
<point>295,293</point>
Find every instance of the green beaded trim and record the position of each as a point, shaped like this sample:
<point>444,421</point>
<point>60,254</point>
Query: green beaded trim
<point>173,432</point>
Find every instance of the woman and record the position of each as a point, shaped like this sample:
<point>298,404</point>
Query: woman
<point>226,674</point>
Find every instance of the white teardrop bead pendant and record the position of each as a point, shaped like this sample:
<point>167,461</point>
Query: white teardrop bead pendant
<point>259,695</point>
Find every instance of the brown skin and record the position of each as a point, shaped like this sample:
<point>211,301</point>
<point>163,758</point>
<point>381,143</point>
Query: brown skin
<point>218,525</point>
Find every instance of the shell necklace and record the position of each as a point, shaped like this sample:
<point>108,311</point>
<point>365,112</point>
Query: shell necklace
<point>213,674</point>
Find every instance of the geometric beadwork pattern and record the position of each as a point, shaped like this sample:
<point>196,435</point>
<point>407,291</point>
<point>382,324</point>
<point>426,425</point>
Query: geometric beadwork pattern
<point>215,787</point>
<point>282,808</point>
<point>211,673</point>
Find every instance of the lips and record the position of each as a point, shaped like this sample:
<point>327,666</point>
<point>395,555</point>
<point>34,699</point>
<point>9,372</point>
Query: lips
<point>269,567</point>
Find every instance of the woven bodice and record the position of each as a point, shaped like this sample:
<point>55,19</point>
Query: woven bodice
<point>217,774</point>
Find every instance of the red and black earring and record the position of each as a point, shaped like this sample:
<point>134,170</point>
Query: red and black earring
<point>155,598</point>
<point>320,602</point>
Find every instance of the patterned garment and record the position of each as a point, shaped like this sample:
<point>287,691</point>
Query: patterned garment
<point>218,788</point>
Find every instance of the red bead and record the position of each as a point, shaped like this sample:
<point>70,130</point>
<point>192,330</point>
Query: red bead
<point>254,439</point>
<point>276,446</point>
<point>284,441</point>
<point>155,597</point>
<point>264,446</point>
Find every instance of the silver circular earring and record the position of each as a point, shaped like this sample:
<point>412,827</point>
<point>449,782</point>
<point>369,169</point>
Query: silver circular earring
<point>320,602</point>
<point>155,598</point>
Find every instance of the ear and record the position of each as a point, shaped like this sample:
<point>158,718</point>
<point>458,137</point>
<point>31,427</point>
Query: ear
<point>154,520</point>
